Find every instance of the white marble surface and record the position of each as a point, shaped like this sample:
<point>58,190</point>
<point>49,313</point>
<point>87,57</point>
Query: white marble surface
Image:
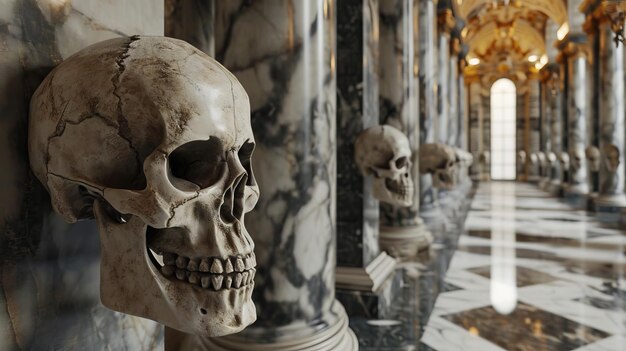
<point>567,267</point>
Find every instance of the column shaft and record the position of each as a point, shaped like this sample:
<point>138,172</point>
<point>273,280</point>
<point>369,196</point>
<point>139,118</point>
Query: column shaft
<point>427,92</point>
<point>612,114</point>
<point>283,53</point>
<point>402,229</point>
<point>577,124</point>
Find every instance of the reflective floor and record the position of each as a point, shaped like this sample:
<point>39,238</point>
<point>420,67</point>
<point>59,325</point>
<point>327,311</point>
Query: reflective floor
<point>527,273</point>
<point>532,274</point>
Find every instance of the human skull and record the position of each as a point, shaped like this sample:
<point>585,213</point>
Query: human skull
<point>439,160</point>
<point>384,152</point>
<point>593,157</point>
<point>576,159</point>
<point>521,159</point>
<point>152,138</point>
<point>483,159</point>
<point>611,157</point>
<point>552,159</point>
<point>541,158</point>
<point>564,159</point>
<point>534,159</point>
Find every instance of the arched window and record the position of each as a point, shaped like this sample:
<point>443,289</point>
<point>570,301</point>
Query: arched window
<point>503,98</point>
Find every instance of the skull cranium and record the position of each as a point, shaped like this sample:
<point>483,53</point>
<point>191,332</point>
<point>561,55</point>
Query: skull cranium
<point>564,159</point>
<point>593,157</point>
<point>576,159</point>
<point>152,138</point>
<point>384,152</point>
<point>611,157</point>
<point>439,160</point>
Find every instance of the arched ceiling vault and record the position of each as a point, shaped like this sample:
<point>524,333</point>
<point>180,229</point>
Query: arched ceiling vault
<point>555,9</point>
<point>509,35</point>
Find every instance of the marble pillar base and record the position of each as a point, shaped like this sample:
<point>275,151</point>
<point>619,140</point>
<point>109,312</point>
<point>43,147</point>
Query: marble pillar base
<point>371,304</point>
<point>556,187</point>
<point>591,199</point>
<point>576,195</point>
<point>534,179</point>
<point>609,208</point>
<point>335,337</point>
<point>404,243</point>
<point>369,278</point>
<point>544,184</point>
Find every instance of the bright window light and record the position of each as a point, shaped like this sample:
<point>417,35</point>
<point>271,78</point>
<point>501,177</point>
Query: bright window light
<point>503,111</point>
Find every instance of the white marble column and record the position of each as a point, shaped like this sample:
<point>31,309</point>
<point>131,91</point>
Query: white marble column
<point>475,130</point>
<point>283,53</point>
<point>453,96</point>
<point>443,80</point>
<point>486,134</point>
<point>546,141</point>
<point>520,133</point>
<point>463,111</point>
<point>534,127</point>
<point>556,127</point>
<point>428,100</point>
<point>577,122</point>
<point>402,231</point>
<point>611,113</point>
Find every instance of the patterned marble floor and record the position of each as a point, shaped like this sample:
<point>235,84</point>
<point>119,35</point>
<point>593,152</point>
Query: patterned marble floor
<point>529,273</point>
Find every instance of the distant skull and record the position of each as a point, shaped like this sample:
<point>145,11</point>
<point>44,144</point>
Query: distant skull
<point>439,160</point>
<point>534,159</point>
<point>552,159</point>
<point>521,161</point>
<point>541,157</point>
<point>564,159</point>
<point>593,157</point>
<point>611,157</point>
<point>483,158</point>
<point>384,152</point>
<point>152,138</point>
<point>576,159</point>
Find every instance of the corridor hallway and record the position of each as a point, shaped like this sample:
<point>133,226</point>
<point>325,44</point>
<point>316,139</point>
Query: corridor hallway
<point>530,273</point>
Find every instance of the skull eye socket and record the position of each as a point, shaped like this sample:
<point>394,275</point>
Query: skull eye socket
<point>402,162</point>
<point>200,162</point>
<point>245,155</point>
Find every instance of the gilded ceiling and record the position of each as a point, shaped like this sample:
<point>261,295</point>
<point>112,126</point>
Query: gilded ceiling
<point>509,35</point>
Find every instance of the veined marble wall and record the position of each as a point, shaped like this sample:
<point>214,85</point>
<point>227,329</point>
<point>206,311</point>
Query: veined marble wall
<point>50,270</point>
<point>520,130</point>
<point>191,21</point>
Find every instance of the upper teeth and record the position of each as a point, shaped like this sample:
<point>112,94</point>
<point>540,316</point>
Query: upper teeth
<point>211,272</point>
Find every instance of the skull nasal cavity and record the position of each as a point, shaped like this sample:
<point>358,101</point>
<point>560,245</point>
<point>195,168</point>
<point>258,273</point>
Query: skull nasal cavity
<point>200,162</point>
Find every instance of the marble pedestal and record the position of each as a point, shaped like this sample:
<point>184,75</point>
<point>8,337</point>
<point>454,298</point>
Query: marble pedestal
<point>609,208</point>
<point>368,303</point>
<point>405,242</point>
<point>576,195</point>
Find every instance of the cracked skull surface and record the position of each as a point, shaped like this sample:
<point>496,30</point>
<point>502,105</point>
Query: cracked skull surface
<point>384,152</point>
<point>152,138</point>
<point>439,160</point>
